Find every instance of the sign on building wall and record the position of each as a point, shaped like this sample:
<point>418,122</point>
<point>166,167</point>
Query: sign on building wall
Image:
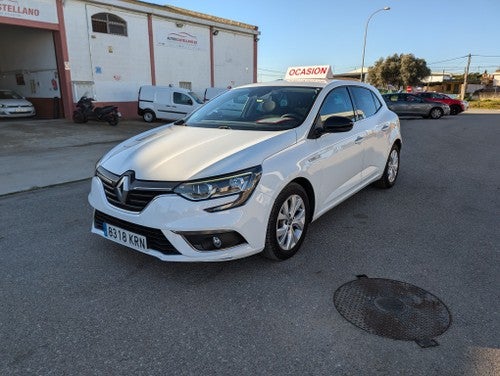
<point>181,39</point>
<point>32,10</point>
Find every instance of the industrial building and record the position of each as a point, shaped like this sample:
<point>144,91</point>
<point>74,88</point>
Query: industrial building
<point>55,51</point>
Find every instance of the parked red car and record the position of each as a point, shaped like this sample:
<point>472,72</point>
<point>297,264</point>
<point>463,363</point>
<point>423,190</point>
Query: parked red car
<point>456,106</point>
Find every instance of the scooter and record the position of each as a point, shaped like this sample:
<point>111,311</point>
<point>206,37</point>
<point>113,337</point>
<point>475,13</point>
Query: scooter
<point>86,111</point>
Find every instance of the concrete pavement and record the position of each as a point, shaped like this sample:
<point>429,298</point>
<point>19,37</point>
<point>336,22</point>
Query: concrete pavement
<point>41,153</point>
<point>74,303</point>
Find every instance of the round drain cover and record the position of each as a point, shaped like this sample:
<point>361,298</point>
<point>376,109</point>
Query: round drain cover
<point>392,309</point>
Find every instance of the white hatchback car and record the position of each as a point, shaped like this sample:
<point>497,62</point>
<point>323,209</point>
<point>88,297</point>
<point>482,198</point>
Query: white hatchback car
<point>247,172</point>
<point>13,105</point>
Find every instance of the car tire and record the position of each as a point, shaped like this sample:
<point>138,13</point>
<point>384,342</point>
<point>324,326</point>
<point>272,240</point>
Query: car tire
<point>455,109</point>
<point>391,169</point>
<point>288,223</point>
<point>149,116</point>
<point>436,113</point>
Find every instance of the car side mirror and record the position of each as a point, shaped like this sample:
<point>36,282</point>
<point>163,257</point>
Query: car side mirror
<point>190,102</point>
<point>337,124</point>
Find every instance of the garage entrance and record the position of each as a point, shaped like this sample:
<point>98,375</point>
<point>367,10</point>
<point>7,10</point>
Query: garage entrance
<point>34,58</point>
<point>29,67</point>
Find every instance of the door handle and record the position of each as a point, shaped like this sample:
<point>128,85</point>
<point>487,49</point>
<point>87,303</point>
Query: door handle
<point>359,140</point>
<point>385,127</point>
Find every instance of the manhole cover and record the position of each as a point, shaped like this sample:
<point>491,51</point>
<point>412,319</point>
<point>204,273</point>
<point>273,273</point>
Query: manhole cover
<point>393,309</point>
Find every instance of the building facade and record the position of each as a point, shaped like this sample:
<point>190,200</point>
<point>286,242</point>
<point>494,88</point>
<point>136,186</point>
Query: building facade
<point>55,51</point>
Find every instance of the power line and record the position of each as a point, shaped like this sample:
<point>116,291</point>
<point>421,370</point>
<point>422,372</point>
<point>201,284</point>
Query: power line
<point>271,70</point>
<point>487,56</point>
<point>463,57</point>
<point>444,61</point>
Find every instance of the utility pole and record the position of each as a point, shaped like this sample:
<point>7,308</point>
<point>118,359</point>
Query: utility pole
<point>464,87</point>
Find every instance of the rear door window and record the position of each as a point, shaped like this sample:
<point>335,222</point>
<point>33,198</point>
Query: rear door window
<point>363,102</point>
<point>337,103</point>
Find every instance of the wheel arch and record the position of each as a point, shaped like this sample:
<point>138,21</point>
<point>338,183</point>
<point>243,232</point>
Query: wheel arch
<point>398,143</point>
<point>306,184</point>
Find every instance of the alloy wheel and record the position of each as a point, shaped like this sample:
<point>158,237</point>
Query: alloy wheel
<point>393,166</point>
<point>291,222</point>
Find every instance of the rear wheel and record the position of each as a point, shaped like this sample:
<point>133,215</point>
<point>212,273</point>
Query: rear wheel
<point>113,119</point>
<point>79,117</point>
<point>391,170</point>
<point>455,109</point>
<point>288,223</point>
<point>436,113</point>
<point>149,116</point>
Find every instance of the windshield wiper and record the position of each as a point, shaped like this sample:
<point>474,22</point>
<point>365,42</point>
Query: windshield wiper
<point>180,122</point>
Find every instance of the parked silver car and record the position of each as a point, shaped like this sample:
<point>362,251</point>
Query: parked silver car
<point>14,105</point>
<point>405,104</point>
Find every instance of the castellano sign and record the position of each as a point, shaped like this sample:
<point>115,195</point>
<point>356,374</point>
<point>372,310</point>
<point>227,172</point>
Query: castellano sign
<point>32,10</point>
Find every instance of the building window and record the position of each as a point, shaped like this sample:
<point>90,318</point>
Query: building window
<point>185,85</point>
<point>109,24</point>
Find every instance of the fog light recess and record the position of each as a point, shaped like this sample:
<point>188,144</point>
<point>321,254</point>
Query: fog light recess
<point>213,241</point>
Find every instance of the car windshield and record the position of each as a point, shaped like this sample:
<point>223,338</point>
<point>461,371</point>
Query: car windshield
<point>9,94</point>
<point>196,97</point>
<point>272,108</point>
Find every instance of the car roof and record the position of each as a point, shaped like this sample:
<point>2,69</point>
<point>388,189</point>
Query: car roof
<point>308,83</point>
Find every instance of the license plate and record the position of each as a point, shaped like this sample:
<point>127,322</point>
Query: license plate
<point>20,110</point>
<point>125,237</point>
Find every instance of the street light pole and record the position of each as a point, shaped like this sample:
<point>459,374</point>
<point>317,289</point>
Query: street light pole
<point>364,40</point>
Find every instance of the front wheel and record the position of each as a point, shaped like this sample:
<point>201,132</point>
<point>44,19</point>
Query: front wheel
<point>436,113</point>
<point>391,170</point>
<point>288,223</point>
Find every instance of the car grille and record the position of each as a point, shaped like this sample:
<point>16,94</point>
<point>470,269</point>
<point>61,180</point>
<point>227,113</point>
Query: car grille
<point>18,109</point>
<point>140,193</point>
<point>154,237</point>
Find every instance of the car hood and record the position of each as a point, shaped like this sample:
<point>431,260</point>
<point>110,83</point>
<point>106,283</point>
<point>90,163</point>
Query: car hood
<point>179,153</point>
<point>15,102</point>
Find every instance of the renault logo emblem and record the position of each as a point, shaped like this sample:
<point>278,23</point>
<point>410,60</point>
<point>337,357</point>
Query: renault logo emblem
<point>122,188</point>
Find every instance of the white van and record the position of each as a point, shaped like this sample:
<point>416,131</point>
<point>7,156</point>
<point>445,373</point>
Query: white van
<point>166,102</point>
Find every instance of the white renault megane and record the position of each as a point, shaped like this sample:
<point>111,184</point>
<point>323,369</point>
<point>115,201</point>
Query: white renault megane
<point>248,171</point>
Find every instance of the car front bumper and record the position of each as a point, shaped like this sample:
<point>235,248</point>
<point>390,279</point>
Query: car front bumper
<point>177,219</point>
<point>15,112</point>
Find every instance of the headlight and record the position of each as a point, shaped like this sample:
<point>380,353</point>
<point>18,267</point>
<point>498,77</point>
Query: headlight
<point>241,184</point>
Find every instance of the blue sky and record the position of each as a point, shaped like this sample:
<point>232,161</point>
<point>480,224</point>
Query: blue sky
<point>318,32</point>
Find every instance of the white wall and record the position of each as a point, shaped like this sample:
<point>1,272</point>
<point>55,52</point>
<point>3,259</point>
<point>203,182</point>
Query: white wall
<point>233,55</point>
<point>114,66</point>
<point>77,36</point>
<point>181,54</point>
<point>33,57</point>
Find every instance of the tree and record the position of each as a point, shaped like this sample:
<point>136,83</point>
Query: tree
<point>398,70</point>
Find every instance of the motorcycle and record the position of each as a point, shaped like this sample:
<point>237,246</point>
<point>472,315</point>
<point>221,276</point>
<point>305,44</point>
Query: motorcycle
<point>86,111</point>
